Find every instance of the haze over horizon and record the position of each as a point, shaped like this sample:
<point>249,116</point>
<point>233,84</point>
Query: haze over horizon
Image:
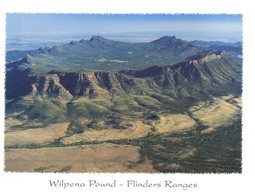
<point>26,31</point>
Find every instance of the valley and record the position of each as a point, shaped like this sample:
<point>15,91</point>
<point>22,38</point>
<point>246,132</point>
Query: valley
<point>100,105</point>
<point>142,147</point>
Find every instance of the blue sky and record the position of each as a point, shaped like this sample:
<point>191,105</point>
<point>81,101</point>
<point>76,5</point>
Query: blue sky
<point>206,27</point>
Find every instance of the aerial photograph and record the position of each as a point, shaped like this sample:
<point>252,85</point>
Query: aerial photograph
<point>123,93</point>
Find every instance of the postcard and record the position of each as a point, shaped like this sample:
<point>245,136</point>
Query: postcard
<point>124,101</point>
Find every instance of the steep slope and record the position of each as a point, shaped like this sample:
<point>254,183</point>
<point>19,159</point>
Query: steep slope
<point>208,74</point>
<point>213,73</point>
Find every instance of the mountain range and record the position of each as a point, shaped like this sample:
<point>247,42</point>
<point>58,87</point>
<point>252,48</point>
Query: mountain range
<point>134,67</point>
<point>101,83</point>
<point>101,54</point>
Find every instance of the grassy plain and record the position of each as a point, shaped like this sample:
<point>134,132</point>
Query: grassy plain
<point>205,138</point>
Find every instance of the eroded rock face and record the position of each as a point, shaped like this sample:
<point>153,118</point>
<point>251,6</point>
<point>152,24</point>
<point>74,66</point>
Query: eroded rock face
<point>50,86</point>
<point>210,74</point>
<point>91,83</point>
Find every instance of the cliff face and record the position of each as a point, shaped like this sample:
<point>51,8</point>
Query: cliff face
<point>50,86</point>
<point>91,83</point>
<point>210,74</point>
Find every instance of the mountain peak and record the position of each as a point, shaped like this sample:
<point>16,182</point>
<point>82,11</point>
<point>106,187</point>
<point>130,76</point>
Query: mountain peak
<point>97,38</point>
<point>82,41</point>
<point>165,39</point>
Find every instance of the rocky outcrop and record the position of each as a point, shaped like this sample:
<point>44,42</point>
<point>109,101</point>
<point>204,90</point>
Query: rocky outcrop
<point>210,74</point>
<point>49,86</point>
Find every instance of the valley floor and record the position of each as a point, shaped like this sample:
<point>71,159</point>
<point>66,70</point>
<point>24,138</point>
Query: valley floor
<point>204,139</point>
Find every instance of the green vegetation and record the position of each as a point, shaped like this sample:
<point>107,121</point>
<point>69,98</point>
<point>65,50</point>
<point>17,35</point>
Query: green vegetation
<point>47,112</point>
<point>64,169</point>
<point>217,152</point>
<point>148,102</point>
<point>84,108</point>
<point>75,127</point>
<point>151,116</point>
<point>102,101</point>
<point>41,169</point>
<point>124,104</point>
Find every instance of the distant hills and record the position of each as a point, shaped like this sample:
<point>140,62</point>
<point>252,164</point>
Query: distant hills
<point>232,48</point>
<point>101,54</point>
<point>236,48</point>
<point>14,55</point>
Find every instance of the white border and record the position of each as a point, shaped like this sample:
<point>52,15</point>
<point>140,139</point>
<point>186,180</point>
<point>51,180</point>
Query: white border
<point>21,183</point>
